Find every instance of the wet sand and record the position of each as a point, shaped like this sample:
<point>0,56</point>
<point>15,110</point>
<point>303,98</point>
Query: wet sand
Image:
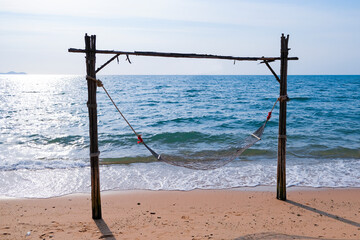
<point>200,214</point>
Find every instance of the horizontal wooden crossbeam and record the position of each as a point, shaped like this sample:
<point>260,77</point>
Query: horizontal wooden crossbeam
<point>181,55</point>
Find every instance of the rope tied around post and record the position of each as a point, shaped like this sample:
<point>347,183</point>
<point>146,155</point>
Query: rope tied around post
<point>96,154</point>
<point>98,82</point>
<point>284,98</point>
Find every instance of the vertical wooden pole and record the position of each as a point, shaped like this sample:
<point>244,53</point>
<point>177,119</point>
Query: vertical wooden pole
<point>90,46</point>
<point>281,168</point>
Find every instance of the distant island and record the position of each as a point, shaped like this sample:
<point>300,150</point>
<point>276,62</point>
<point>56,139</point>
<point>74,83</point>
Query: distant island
<point>12,72</point>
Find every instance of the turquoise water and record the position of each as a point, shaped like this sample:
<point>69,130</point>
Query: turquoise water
<point>44,132</point>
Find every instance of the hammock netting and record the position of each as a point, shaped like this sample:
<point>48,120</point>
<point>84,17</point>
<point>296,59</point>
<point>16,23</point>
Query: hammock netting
<point>210,159</point>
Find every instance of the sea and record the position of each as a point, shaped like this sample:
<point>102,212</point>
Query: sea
<point>44,141</point>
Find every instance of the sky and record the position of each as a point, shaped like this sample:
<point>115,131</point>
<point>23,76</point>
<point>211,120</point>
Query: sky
<point>36,35</point>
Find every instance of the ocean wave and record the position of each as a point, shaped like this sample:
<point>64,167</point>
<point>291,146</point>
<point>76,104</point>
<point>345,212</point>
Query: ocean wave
<point>66,140</point>
<point>301,99</point>
<point>188,137</point>
<point>338,152</point>
<point>37,164</point>
<point>165,138</point>
<point>203,155</point>
<point>325,152</point>
<point>40,139</point>
<point>117,139</point>
<point>187,120</point>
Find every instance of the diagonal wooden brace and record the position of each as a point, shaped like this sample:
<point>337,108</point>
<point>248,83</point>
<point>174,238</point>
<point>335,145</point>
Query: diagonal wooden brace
<point>271,70</point>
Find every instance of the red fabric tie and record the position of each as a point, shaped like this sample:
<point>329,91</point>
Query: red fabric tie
<point>268,117</point>
<point>140,139</point>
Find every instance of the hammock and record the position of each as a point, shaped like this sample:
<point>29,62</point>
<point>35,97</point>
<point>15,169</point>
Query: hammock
<point>202,162</point>
<point>210,160</point>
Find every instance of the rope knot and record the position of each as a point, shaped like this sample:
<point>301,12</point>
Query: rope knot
<point>284,98</point>
<point>99,83</point>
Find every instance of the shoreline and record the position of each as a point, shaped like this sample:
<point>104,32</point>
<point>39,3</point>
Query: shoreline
<point>253,213</point>
<point>263,188</point>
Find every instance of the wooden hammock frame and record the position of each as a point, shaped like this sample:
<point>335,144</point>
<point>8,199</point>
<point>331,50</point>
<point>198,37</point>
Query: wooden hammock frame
<point>91,51</point>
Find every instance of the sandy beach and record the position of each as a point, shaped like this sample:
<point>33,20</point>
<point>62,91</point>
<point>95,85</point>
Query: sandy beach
<point>251,213</point>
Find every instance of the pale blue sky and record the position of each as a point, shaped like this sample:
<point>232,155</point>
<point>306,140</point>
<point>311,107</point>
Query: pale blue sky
<point>35,35</point>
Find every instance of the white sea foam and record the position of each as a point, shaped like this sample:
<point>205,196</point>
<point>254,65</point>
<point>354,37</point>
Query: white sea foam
<point>46,183</point>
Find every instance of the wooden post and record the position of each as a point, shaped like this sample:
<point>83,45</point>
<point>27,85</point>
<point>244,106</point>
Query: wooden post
<point>90,46</point>
<point>281,169</point>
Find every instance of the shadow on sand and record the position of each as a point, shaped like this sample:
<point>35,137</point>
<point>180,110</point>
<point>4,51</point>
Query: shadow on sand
<point>280,236</point>
<point>104,229</point>
<point>271,235</point>
<point>356,224</point>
